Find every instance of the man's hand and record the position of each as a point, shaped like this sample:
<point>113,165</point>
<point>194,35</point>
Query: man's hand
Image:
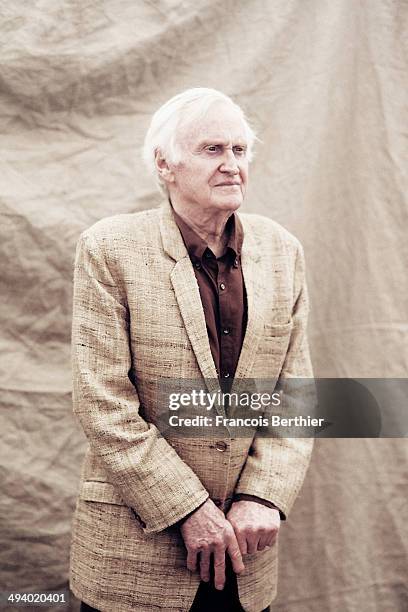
<point>207,531</point>
<point>255,526</point>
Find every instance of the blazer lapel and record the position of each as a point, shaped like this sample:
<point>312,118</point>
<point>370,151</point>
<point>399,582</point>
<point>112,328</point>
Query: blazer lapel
<point>188,296</point>
<point>253,279</point>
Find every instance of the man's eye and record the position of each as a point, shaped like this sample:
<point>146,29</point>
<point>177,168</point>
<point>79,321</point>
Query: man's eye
<point>240,150</point>
<point>212,148</point>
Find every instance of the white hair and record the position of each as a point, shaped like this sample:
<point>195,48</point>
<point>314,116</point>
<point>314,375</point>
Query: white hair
<point>184,108</point>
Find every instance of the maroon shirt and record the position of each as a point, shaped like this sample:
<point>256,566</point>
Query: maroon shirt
<point>222,292</point>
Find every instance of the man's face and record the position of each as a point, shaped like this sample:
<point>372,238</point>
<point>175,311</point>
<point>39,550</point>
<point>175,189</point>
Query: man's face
<point>213,170</point>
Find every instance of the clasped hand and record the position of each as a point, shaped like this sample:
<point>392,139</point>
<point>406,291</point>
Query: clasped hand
<point>247,528</point>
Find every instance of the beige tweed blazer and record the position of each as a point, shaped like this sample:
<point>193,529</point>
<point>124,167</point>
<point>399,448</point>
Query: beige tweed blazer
<point>138,317</point>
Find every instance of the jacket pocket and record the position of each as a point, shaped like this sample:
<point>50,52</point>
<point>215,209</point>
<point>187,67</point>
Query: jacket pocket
<point>105,492</point>
<point>278,330</point>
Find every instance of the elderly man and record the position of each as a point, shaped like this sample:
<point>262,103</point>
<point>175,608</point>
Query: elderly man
<point>191,290</point>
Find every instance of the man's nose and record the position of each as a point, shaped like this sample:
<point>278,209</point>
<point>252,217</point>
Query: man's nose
<point>229,163</point>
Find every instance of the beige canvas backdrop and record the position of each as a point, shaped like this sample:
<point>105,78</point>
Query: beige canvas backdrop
<point>323,83</point>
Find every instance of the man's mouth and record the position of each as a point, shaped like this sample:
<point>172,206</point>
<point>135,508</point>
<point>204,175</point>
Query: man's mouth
<point>228,184</point>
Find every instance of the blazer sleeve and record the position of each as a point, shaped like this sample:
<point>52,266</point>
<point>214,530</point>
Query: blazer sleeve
<point>276,466</point>
<point>148,473</point>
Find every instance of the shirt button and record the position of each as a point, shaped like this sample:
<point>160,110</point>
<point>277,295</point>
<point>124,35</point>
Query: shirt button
<point>226,375</point>
<point>221,446</point>
<point>222,286</point>
<point>236,263</point>
<point>198,265</point>
<point>226,331</point>
<point>208,254</point>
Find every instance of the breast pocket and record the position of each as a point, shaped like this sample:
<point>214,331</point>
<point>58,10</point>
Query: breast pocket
<point>279,330</point>
<point>273,348</point>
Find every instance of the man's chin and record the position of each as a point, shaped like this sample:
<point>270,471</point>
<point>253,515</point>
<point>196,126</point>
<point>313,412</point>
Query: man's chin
<point>229,203</point>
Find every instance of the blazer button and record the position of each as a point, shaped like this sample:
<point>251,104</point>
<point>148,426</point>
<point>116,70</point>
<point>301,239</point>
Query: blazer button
<point>221,446</point>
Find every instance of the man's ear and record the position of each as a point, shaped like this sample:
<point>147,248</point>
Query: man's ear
<point>163,169</point>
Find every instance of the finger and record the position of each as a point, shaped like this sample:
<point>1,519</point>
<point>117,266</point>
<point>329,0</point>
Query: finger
<point>252,543</point>
<point>219,568</point>
<point>242,542</point>
<point>263,542</point>
<point>263,538</point>
<point>234,551</point>
<point>272,538</point>
<point>191,560</point>
<point>205,565</point>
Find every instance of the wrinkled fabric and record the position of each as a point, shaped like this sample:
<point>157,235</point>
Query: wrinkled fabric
<point>324,86</point>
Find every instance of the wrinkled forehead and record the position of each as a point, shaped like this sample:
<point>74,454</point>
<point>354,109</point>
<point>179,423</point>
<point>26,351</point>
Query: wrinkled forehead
<point>221,123</point>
